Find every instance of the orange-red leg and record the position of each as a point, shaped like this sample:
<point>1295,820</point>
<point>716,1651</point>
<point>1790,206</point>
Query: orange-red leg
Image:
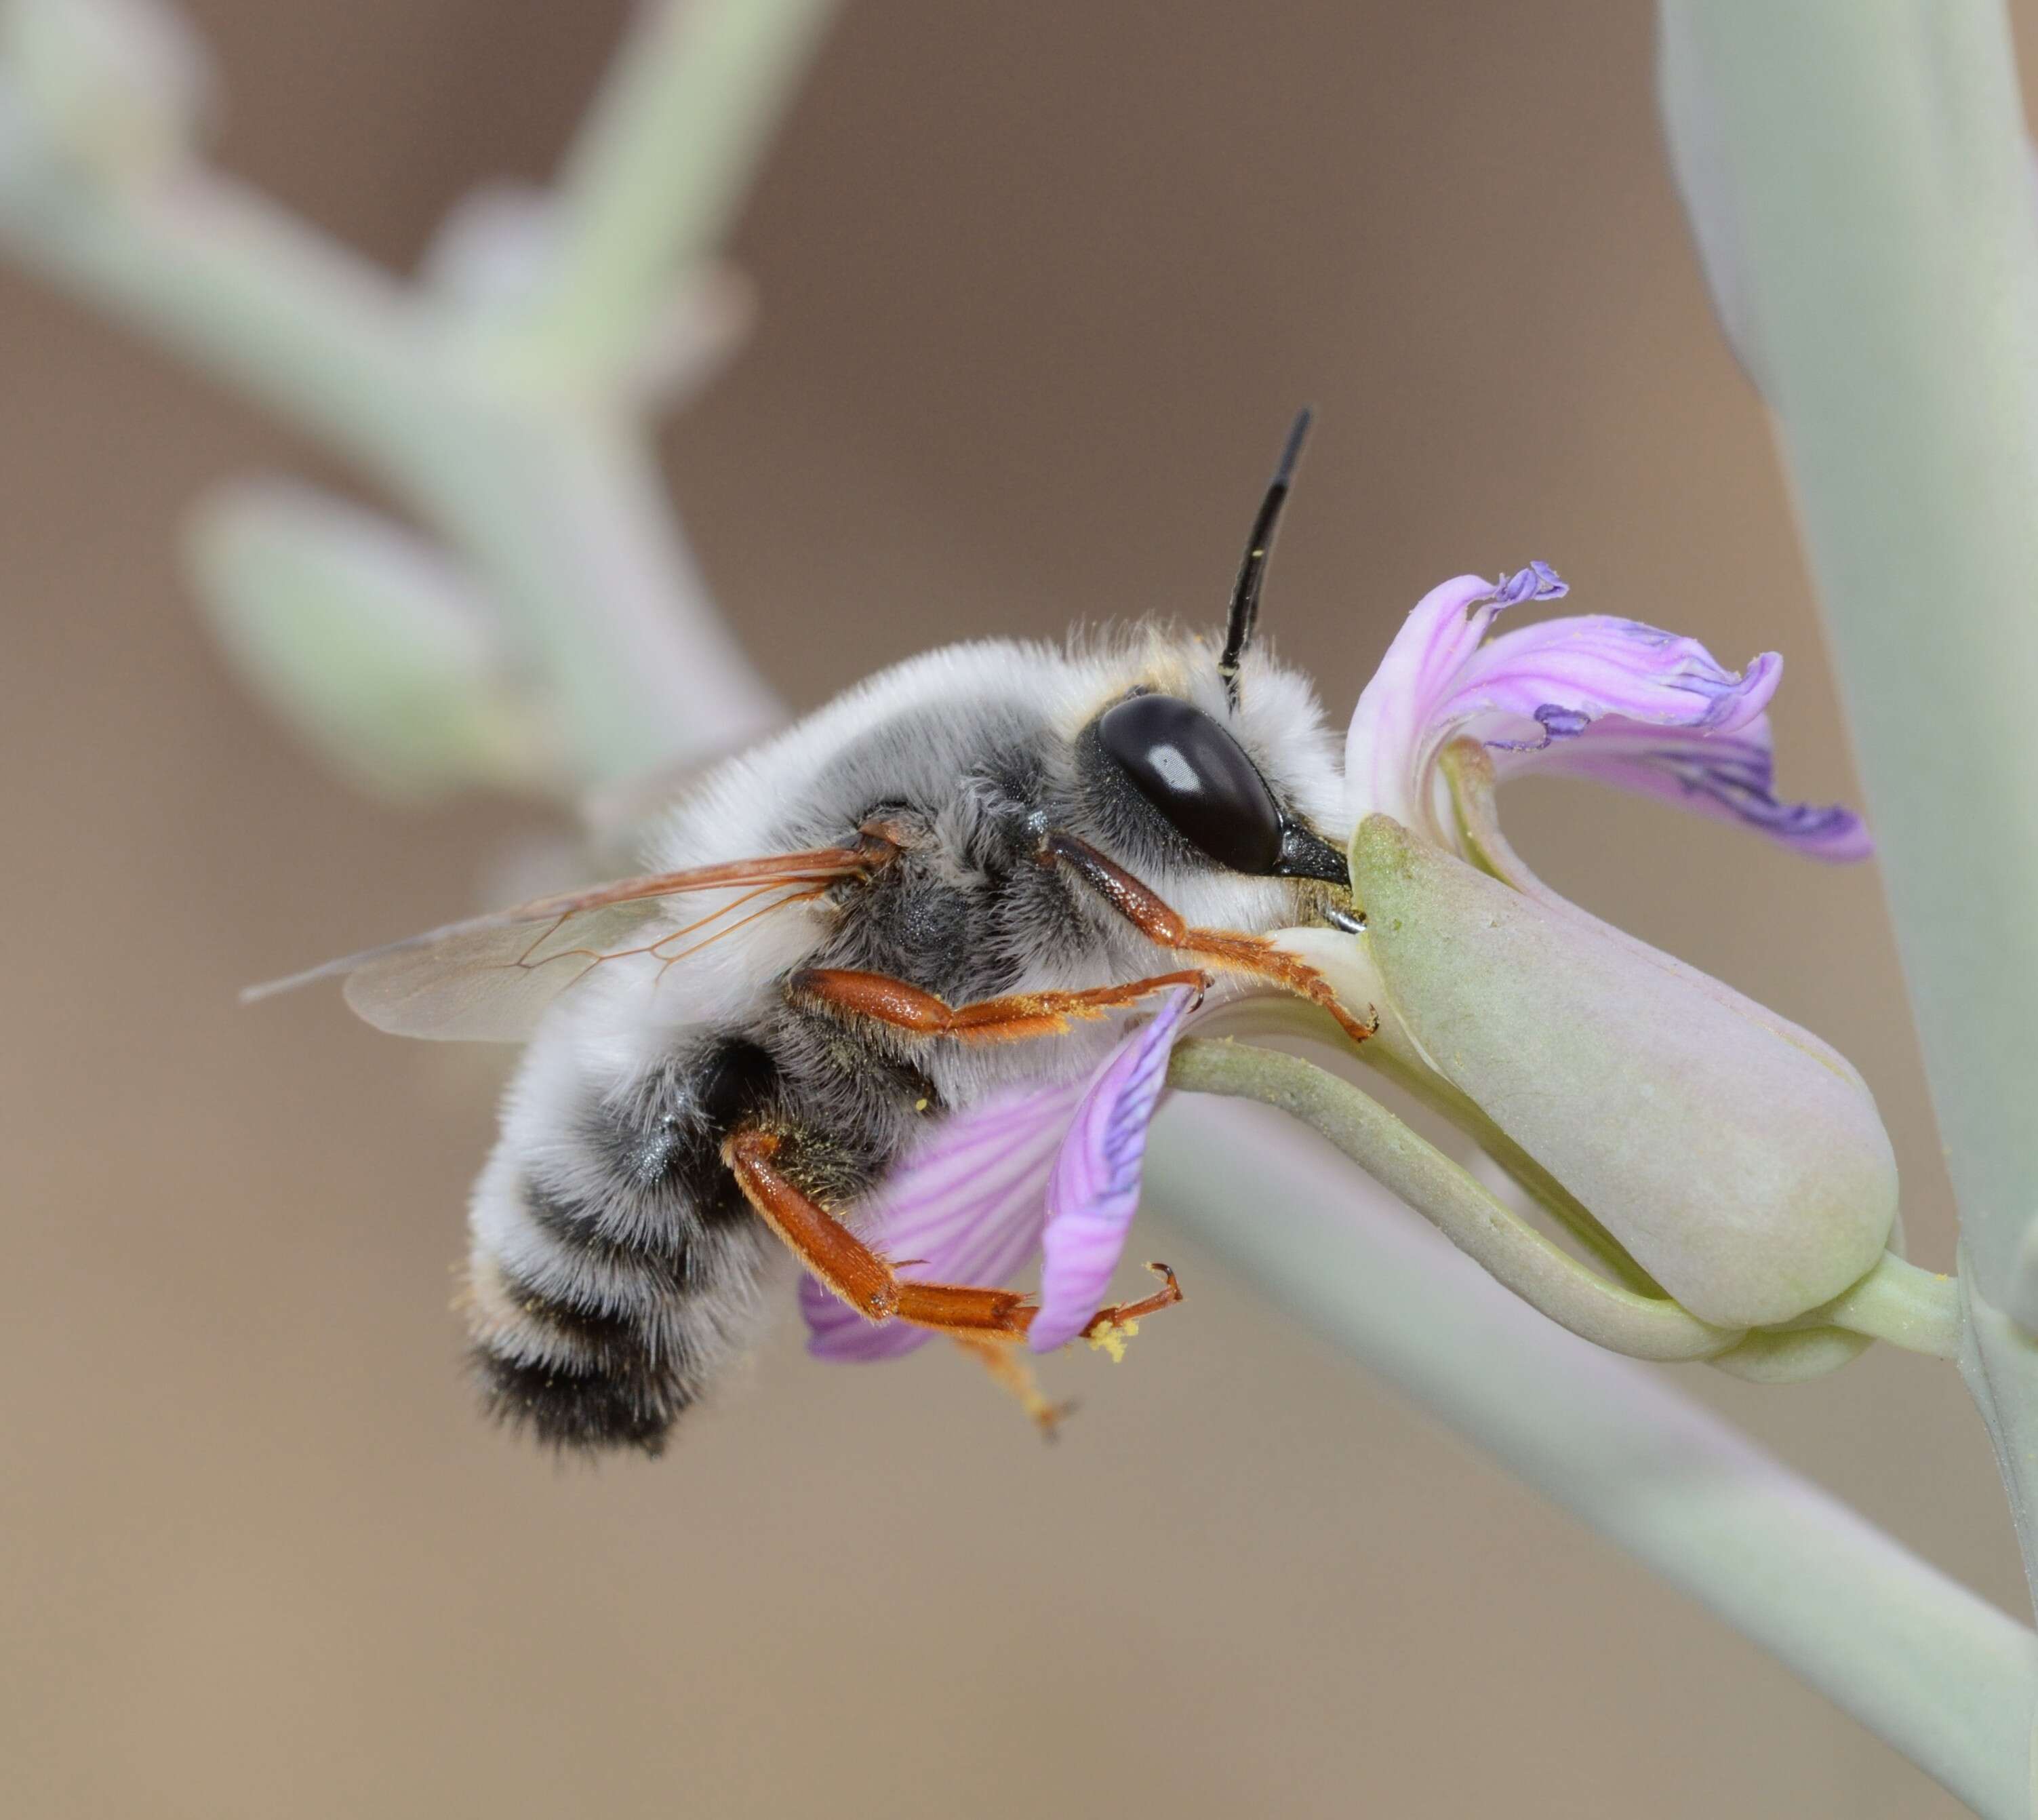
<point>1022,1014</point>
<point>842,1263</point>
<point>1226,949</point>
<point>1011,1371</point>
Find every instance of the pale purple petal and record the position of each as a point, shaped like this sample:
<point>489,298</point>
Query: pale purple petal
<point>1628,703</point>
<point>1394,735</point>
<point>966,1207</point>
<point>1094,1189</point>
<point>1729,776</point>
<point>1527,690</point>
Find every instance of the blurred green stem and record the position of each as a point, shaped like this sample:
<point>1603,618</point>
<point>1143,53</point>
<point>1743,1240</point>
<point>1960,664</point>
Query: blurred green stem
<point>1881,183</point>
<point>1943,1675</point>
<point>1861,179</point>
<point>663,157</point>
<point>550,492</point>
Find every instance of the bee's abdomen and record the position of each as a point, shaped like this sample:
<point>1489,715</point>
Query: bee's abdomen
<point>573,1373</point>
<point>615,1268</point>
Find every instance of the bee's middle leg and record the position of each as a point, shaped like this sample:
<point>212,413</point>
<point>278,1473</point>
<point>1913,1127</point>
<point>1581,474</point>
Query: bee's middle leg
<point>844,1264</point>
<point>904,1006</point>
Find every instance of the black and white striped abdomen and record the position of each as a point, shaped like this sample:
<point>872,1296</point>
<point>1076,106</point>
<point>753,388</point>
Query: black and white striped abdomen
<point>614,1266</point>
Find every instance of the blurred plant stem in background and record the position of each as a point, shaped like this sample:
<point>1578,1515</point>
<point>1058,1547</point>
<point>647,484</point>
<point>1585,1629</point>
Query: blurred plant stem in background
<point>559,638</point>
<point>1860,180</point>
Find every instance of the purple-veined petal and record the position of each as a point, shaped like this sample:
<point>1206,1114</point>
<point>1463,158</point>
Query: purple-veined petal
<point>1729,776</point>
<point>1628,703</point>
<point>1527,690</point>
<point>1094,1189</point>
<point>965,1207</point>
<point>1394,735</point>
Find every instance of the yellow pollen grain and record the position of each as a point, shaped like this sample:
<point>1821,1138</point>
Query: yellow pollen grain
<point>1110,1338</point>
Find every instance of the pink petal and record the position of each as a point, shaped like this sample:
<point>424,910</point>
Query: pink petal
<point>966,1207</point>
<point>1549,682</point>
<point>1094,1189</point>
<point>1625,702</point>
<point>1396,728</point>
<point>1728,776</point>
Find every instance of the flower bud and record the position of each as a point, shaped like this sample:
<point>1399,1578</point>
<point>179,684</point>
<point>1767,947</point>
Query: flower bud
<point>370,644</point>
<point>1746,1171</point>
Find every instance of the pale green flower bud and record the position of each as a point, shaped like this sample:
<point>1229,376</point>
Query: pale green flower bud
<point>370,644</point>
<point>1739,1161</point>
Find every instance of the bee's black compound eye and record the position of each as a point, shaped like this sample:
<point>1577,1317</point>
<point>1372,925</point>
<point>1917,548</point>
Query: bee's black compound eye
<point>1195,774</point>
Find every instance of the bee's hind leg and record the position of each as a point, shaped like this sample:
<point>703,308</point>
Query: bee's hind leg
<point>1013,1372</point>
<point>843,1263</point>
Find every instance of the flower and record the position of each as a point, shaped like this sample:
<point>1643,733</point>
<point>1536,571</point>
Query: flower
<point>1736,1160</point>
<point>1588,695</point>
<point>1739,1160</point>
<point>1054,1170</point>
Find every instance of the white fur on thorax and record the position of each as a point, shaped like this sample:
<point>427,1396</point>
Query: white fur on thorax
<point>628,1016</point>
<point>622,1019</point>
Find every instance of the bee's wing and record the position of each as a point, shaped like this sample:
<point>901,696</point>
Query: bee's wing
<point>486,980</point>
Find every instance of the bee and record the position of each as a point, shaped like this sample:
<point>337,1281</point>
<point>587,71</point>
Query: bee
<point>946,886</point>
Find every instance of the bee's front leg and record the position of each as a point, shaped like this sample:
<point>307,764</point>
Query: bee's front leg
<point>1228,950</point>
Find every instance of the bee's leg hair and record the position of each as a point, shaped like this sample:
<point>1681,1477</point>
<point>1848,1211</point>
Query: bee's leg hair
<point>1227,950</point>
<point>843,1263</point>
<point>1013,1372</point>
<point>906,1007</point>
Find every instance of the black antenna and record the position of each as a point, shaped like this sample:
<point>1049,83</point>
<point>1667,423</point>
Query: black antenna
<point>1252,572</point>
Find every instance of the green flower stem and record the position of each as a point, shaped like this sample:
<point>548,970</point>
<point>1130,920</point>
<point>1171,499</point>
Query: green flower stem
<point>1943,1675</point>
<point>278,311</point>
<point>551,495</point>
<point>654,176</point>
<point>229,281</point>
<point>1860,178</point>
<point>1917,1310</point>
<point>1549,1194</point>
<point>1535,1268</point>
<point>1895,1301</point>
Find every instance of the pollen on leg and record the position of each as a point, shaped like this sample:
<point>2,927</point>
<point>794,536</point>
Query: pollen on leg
<point>1110,1328</point>
<point>1110,1336</point>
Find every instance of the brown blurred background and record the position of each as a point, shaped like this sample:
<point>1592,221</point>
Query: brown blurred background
<point>1040,286</point>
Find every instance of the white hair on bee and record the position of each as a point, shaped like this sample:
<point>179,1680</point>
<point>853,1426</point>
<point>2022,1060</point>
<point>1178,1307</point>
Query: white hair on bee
<point>986,829</point>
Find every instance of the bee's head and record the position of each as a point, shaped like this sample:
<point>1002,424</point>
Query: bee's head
<point>1190,759</point>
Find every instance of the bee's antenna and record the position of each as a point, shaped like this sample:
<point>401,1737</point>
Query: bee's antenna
<point>1251,572</point>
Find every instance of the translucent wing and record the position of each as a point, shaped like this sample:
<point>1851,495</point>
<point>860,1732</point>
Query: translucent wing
<point>486,980</point>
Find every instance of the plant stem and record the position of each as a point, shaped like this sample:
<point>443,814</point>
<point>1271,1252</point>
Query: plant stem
<point>1861,175</point>
<point>555,502</point>
<point>553,497</point>
<point>1540,1272</point>
<point>1941,1674</point>
<point>1917,1310</point>
<point>653,177</point>
<point>1889,245</point>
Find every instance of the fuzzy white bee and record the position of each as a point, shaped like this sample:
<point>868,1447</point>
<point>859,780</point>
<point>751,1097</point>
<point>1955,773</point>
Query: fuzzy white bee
<point>942,892</point>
